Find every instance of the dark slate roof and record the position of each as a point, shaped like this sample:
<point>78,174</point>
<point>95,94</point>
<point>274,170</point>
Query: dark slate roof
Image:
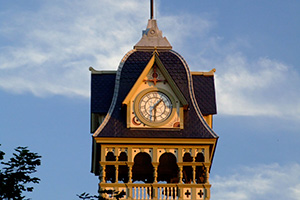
<point>132,68</point>
<point>102,90</point>
<point>204,89</point>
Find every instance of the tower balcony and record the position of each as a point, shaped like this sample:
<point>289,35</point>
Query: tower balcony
<point>157,191</point>
<point>152,172</point>
<point>185,181</point>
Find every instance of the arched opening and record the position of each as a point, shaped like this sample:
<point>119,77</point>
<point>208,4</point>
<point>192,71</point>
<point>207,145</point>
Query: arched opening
<point>110,170</point>
<point>187,170</point>
<point>110,156</point>
<point>123,169</point>
<point>187,157</point>
<point>168,168</point>
<point>200,157</point>
<point>122,156</point>
<point>142,169</point>
<point>200,170</point>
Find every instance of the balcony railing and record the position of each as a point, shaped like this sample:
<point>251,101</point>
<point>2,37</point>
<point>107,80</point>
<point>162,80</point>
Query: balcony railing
<point>158,191</point>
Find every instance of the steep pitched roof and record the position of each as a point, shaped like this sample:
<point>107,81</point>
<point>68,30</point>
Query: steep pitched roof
<point>204,89</point>
<point>130,68</point>
<point>102,90</point>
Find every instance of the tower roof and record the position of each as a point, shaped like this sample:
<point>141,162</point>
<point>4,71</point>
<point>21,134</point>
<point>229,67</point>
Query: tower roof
<point>130,68</point>
<point>179,77</point>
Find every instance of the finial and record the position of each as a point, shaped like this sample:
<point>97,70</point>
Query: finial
<point>151,9</point>
<point>152,37</point>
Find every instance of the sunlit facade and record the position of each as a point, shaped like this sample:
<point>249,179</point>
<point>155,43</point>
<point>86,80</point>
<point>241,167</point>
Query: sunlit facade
<point>151,122</point>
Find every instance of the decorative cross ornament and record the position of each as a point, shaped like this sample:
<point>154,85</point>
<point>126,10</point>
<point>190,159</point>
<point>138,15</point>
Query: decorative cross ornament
<point>188,193</point>
<point>155,77</point>
<point>200,193</point>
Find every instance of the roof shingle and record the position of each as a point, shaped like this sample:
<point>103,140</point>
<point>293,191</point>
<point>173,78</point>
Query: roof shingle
<point>102,89</point>
<point>204,89</point>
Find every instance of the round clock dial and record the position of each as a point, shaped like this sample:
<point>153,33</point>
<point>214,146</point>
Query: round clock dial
<point>155,107</point>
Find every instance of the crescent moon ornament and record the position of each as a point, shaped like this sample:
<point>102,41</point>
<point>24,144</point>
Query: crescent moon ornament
<point>135,121</point>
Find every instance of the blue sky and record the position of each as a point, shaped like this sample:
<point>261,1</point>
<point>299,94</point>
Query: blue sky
<point>46,48</point>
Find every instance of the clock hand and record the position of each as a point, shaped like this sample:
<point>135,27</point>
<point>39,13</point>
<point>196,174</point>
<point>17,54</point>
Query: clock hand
<point>150,112</point>
<point>157,103</point>
<point>154,114</point>
<point>154,107</point>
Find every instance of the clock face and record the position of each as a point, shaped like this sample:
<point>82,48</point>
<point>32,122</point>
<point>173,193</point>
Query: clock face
<point>155,107</point>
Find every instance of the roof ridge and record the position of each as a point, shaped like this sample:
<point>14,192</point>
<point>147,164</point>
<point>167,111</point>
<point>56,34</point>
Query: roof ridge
<point>192,95</point>
<point>115,96</point>
<point>202,73</point>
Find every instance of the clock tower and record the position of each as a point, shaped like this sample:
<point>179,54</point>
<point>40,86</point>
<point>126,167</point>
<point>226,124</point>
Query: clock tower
<point>151,122</point>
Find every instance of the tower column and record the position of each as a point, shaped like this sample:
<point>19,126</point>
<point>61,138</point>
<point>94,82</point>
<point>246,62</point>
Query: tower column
<point>194,174</point>
<point>130,173</point>
<point>117,173</point>
<point>180,174</point>
<point>103,173</point>
<point>207,175</point>
<point>207,194</point>
<point>155,165</point>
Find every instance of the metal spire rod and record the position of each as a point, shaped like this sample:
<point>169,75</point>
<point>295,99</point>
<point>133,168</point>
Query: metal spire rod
<point>151,9</point>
